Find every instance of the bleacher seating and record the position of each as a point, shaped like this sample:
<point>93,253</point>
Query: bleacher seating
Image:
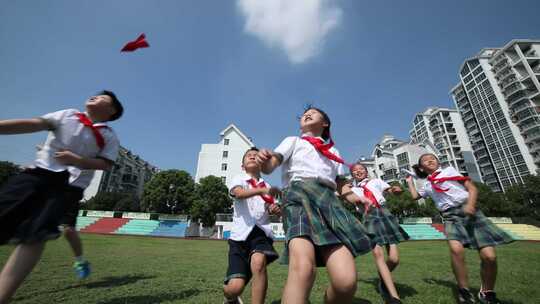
<point>177,228</point>
<point>105,225</point>
<point>521,231</point>
<point>422,232</point>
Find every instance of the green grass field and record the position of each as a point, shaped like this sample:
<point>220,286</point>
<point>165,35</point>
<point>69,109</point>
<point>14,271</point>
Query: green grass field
<point>157,270</point>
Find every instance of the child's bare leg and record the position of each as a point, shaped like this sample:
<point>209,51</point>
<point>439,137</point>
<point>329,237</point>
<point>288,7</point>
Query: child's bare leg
<point>234,288</point>
<point>384,272</point>
<point>342,272</point>
<point>301,271</point>
<point>72,236</point>
<point>488,267</point>
<point>393,257</point>
<point>457,256</point>
<point>259,282</point>
<point>18,266</point>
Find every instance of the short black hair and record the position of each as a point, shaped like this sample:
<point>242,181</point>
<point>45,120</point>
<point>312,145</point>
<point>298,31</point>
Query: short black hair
<point>250,149</point>
<point>118,108</point>
<point>326,132</point>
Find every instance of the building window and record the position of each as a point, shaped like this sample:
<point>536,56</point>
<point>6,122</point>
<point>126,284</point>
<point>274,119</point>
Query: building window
<point>223,167</point>
<point>226,141</point>
<point>225,154</point>
<point>224,179</point>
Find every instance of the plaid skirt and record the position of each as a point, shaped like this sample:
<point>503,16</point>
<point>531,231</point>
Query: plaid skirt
<point>313,211</point>
<point>385,227</point>
<point>474,232</point>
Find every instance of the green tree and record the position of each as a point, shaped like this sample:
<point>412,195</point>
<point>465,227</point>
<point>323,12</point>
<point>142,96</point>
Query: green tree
<point>525,198</point>
<point>168,191</point>
<point>7,170</point>
<point>211,197</point>
<point>493,203</point>
<point>129,203</point>
<point>104,201</point>
<point>402,205</point>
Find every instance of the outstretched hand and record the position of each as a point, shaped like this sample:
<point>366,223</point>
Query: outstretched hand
<point>263,156</point>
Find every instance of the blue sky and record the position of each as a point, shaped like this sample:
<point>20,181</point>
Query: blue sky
<point>371,67</point>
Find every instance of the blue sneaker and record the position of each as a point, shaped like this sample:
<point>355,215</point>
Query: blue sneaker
<point>82,269</point>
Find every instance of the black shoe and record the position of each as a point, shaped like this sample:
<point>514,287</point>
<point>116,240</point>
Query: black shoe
<point>465,296</point>
<point>383,291</point>
<point>393,301</point>
<point>488,297</point>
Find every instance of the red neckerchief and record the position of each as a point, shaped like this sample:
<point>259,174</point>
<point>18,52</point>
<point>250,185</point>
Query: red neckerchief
<point>267,198</point>
<point>369,195</point>
<point>435,181</point>
<point>324,149</point>
<point>100,141</point>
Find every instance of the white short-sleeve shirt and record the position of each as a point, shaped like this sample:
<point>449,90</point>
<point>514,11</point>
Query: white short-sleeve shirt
<point>455,196</point>
<point>376,186</point>
<point>302,161</point>
<point>70,134</point>
<point>248,212</point>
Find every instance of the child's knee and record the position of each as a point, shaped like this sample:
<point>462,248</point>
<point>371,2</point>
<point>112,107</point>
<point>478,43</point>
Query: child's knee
<point>457,250</point>
<point>345,283</point>
<point>488,257</point>
<point>233,288</point>
<point>393,260</point>
<point>304,269</point>
<point>378,253</point>
<point>258,263</point>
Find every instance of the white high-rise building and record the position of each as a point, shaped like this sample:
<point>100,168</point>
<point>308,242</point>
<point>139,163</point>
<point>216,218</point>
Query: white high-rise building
<point>391,155</point>
<point>498,98</point>
<point>444,128</point>
<point>223,159</point>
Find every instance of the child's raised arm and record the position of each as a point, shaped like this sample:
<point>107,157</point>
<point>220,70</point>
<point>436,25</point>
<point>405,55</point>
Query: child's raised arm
<point>412,188</point>
<point>268,160</point>
<point>21,126</point>
<point>241,193</point>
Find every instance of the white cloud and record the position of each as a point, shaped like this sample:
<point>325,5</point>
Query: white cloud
<point>298,27</point>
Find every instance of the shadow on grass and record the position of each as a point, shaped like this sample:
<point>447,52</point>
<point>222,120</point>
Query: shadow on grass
<point>115,281</point>
<point>403,290</point>
<point>106,282</point>
<point>153,298</point>
<point>453,289</point>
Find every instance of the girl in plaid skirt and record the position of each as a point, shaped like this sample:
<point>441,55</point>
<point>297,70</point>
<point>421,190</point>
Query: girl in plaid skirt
<point>319,230</point>
<point>380,222</point>
<point>455,196</point>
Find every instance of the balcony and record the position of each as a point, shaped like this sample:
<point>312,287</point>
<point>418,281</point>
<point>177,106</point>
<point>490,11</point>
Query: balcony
<point>528,127</point>
<point>536,158</point>
<point>503,75</point>
<point>514,88</point>
<point>518,107</point>
<point>526,116</point>
<point>532,137</point>
<point>534,149</point>
<point>517,97</point>
<point>500,65</point>
<point>531,53</point>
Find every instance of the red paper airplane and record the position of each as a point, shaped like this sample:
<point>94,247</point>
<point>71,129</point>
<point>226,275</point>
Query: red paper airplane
<point>136,44</point>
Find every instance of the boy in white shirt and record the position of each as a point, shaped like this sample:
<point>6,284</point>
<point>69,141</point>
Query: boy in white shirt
<point>33,202</point>
<point>250,244</point>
